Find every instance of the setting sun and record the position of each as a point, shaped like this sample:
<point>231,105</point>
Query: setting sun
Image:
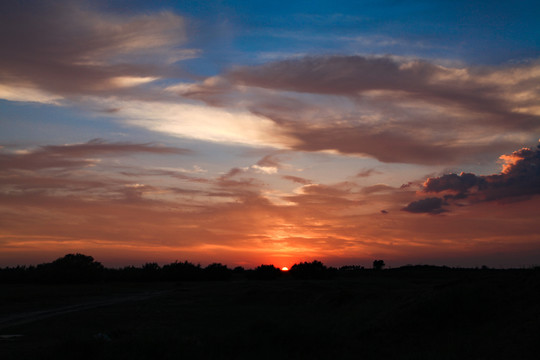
<point>284,268</point>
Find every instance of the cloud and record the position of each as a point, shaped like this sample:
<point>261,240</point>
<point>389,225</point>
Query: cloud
<point>519,180</point>
<point>269,164</point>
<point>432,205</point>
<point>58,52</point>
<point>271,160</point>
<point>231,217</point>
<point>264,169</point>
<point>78,155</point>
<point>378,188</point>
<point>474,89</point>
<point>393,109</point>
<point>367,173</point>
<point>201,122</point>
<point>297,179</point>
<point>67,48</point>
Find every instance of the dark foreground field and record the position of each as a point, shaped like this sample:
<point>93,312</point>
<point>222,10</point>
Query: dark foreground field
<point>454,314</point>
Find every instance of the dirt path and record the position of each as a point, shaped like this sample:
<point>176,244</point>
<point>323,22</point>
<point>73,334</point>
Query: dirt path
<point>28,317</point>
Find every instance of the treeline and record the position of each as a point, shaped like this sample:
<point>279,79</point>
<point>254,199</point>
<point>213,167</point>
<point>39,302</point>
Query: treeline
<point>79,268</point>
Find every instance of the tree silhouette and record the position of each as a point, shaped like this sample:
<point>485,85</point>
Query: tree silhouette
<point>217,271</point>
<point>181,271</point>
<point>265,272</point>
<point>378,264</point>
<point>150,272</point>
<point>311,270</point>
<point>238,270</point>
<point>73,268</point>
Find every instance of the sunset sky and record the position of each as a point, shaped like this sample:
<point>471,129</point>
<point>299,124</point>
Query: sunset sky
<point>270,132</point>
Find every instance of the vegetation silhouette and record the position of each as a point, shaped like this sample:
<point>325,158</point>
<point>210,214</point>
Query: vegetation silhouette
<point>264,272</point>
<point>217,271</point>
<point>80,268</point>
<point>72,268</point>
<point>378,264</point>
<point>312,270</point>
<point>182,271</point>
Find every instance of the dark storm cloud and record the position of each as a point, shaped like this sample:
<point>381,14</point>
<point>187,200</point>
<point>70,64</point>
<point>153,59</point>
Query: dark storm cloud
<point>520,177</point>
<point>519,180</point>
<point>431,205</point>
<point>459,183</point>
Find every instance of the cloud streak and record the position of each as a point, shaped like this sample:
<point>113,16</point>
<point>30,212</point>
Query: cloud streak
<point>78,155</point>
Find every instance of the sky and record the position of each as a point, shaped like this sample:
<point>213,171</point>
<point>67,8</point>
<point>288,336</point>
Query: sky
<point>260,132</point>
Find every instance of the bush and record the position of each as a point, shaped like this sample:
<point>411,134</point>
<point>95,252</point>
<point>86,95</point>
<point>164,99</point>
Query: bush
<point>265,272</point>
<point>185,271</point>
<point>217,271</point>
<point>72,268</point>
<point>311,270</point>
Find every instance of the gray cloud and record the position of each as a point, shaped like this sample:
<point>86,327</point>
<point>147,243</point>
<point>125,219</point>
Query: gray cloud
<point>395,110</point>
<point>519,180</point>
<point>355,75</point>
<point>432,205</point>
<point>77,155</point>
<point>271,160</point>
<point>367,173</point>
<point>71,47</point>
<point>296,179</point>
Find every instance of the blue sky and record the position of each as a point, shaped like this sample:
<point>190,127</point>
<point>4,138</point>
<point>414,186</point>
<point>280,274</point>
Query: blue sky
<point>250,132</point>
<point>238,32</point>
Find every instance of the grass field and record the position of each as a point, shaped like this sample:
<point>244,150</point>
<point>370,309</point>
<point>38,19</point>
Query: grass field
<point>474,314</point>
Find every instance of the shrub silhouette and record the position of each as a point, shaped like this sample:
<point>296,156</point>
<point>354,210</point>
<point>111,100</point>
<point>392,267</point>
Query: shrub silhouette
<point>182,271</point>
<point>150,272</point>
<point>18,274</point>
<point>238,270</point>
<point>265,272</point>
<point>217,271</point>
<point>72,268</point>
<point>311,270</point>
<point>378,264</point>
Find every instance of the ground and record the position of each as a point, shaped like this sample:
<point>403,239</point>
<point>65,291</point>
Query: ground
<point>417,314</point>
